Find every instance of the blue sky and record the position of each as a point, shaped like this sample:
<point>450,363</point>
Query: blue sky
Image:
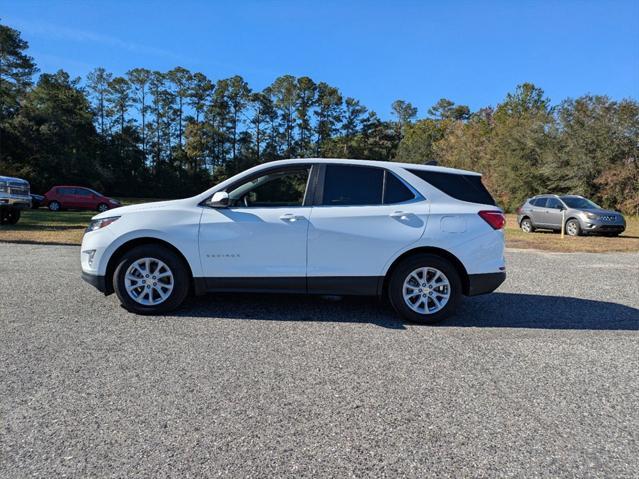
<point>472,52</point>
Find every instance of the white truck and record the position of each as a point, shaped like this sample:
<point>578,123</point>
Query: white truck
<point>15,195</point>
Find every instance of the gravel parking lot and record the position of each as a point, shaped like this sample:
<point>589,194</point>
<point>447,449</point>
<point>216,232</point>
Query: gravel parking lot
<point>539,379</point>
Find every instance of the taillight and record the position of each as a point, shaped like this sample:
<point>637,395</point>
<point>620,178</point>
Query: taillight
<point>495,219</point>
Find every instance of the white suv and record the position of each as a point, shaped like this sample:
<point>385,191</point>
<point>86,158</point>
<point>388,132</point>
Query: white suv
<point>421,235</point>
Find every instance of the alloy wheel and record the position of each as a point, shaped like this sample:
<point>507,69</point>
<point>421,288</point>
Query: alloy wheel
<point>571,228</point>
<point>426,290</point>
<point>149,281</point>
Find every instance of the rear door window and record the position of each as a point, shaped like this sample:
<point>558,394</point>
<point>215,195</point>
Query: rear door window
<point>459,186</point>
<point>553,203</point>
<point>346,185</point>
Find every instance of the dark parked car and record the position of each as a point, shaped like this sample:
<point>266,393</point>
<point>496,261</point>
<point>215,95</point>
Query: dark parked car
<point>36,201</point>
<point>581,215</point>
<point>78,198</point>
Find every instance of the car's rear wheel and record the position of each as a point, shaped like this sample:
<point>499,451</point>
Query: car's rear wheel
<point>425,288</point>
<point>573,228</point>
<point>527,226</point>
<point>151,279</point>
<point>102,207</point>
<point>54,206</point>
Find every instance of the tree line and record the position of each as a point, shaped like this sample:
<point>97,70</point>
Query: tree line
<point>170,134</point>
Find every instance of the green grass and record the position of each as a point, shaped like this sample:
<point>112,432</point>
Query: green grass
<point>136,201</point>
<point>60,227</point>
<point>60,219</point>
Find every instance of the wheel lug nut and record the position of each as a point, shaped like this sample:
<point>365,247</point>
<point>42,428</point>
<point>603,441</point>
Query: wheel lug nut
<point>147,276</point>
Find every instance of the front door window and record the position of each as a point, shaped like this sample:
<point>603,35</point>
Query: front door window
<point>276,189</point>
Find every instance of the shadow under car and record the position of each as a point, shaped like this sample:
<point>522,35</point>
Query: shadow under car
<point>496,310</point>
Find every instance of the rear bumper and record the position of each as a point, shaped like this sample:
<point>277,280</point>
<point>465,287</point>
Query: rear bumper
<point>98,282</point>
<point>484,283</point>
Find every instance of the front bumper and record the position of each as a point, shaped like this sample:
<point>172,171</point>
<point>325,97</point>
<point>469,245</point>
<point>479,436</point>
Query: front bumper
<point>15,202</point>
<point>484,283</point>
<point>602,228</point>
<point>98,282</point>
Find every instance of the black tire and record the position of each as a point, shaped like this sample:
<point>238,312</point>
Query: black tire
<point>13,216</point>
<point>181,279</point>
<point>9,216</point>
<point>573,228</point>
<point>55,206</point>
<point>102,207</point>
<point>528,226</point>
<point>404,269</point>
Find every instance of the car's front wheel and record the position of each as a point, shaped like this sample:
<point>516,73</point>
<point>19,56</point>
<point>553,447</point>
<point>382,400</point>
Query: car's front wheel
<point>151,279</point>
<point>102,207</point>
<point>425,288</point>
<point>573,228</point>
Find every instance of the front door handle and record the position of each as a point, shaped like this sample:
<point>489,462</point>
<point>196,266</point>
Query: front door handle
<point>291,218</point>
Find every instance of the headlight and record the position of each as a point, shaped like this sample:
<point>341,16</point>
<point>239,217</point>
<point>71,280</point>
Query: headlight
<point>113,202</point>
<point>101,223</point>
<point>592,216</point>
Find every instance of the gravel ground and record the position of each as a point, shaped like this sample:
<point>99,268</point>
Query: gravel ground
<point>539,379</point>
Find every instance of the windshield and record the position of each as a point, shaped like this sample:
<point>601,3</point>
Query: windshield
<point>578,203</point>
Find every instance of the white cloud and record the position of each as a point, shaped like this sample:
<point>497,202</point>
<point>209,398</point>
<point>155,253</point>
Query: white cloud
<point>48,30</point>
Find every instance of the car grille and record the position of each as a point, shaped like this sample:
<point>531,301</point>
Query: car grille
<point>18,189</point>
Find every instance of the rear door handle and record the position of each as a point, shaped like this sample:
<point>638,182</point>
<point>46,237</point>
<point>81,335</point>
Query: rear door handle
<point>291,218</point>
<point>400,215</point>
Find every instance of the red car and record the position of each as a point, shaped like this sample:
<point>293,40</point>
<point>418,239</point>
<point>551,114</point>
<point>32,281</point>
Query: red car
<point>77,198</point>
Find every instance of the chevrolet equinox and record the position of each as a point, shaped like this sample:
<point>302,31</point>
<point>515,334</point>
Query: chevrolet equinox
<point>420,235</point>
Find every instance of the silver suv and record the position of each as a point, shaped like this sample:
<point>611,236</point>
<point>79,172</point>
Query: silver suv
<point>581,215</point>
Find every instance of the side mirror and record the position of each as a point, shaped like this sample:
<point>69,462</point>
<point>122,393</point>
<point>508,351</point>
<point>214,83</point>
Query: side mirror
<point>219,200</point>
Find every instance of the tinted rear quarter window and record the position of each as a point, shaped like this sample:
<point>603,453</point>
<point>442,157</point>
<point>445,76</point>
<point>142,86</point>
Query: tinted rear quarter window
<point>395,191</point>
<point>459,186</point>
